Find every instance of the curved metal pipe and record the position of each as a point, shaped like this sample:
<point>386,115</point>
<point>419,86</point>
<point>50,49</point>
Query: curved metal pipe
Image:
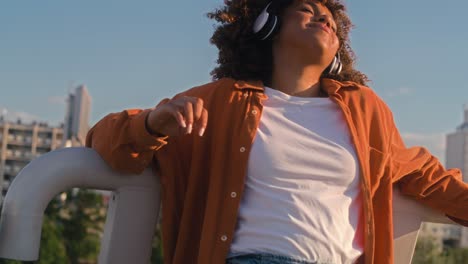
<point>408,215</point>
<point>131,217</point>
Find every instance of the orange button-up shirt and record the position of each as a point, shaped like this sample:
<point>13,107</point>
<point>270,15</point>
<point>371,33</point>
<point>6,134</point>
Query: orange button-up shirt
<point>202,178</point>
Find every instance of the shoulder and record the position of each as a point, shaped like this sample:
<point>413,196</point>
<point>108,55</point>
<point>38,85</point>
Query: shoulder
<point>207,90</point>
<point>364,99</point>
<point>372,99</point>
<point>356,90</point>
<point>365,95</point>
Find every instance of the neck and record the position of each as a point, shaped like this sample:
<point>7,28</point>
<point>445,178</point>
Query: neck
<point>293,76</point>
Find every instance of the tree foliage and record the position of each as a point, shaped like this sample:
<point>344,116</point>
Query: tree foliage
<point>72,230</point>
<point>428,252</point>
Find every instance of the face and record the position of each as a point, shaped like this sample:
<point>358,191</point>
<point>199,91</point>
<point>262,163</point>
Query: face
<point>308,27</point>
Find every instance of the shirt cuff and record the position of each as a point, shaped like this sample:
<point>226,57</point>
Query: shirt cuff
<point>145,141</point>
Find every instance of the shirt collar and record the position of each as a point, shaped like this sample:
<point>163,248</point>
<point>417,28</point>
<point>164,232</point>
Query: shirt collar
<point>251,84</point>
<point>330,86</point>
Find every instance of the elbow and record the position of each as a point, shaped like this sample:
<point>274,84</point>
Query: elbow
<point>126,162</point>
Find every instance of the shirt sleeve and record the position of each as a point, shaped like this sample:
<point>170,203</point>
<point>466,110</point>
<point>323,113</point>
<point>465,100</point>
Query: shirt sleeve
<point>421,175</point>
<point>123,141</point>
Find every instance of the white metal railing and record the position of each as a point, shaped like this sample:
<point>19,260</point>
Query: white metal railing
<point>408,216</point>
<point>133,209</point>
<point>131,216</point>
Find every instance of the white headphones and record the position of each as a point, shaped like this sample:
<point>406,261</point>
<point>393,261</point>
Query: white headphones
<point>336,66</point>
<point>266,25</point>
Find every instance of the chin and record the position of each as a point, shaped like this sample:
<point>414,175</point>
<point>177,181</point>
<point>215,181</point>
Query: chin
<point>317,49</point>
<point>319,55</point>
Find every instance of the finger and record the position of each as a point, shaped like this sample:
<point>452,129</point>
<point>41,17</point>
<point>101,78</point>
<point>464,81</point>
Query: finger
<point>202,122</point>
<point>189,116</point>
<point>197,104</point>
<point>179,117</point>
<point>197,108</point>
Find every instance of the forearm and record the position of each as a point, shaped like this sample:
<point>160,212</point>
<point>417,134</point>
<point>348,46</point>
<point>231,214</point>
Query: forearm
<point>123,141</point>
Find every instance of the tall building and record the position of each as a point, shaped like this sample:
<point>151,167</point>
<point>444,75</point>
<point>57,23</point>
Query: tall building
<point>456,157</point>
<point>20,143</point>
<point>77,117</point>
<point>457,147</point>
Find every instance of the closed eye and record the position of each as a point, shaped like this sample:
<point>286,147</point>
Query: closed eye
<point>307,10</point>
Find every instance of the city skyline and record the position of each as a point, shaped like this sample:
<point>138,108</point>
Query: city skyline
<point>135,54</point>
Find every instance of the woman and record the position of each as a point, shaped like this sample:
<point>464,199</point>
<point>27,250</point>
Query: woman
<point>286,157</point>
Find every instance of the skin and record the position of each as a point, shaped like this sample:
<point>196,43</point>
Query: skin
<point>302,50</point>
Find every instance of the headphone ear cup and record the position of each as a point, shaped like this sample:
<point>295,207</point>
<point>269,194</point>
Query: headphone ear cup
<point>261,20</point>
<point>265,24</point>
<point>335,67</point>
<point>340,67</point>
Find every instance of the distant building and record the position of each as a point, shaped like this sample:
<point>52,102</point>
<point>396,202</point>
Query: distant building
<point>456,157</point>
<point>77,117</point>
<point>457,148</point>
<point>20,143</point>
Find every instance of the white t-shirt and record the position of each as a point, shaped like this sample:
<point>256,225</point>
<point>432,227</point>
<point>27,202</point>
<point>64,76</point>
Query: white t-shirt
<point>302,197</point>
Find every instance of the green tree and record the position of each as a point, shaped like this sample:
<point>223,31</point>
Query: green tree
<point>454,256</point>
<point>52,249</point>
<point>426,251</point>
<point>72,228</point>
<point>157,253</point>
<point>82,219</point>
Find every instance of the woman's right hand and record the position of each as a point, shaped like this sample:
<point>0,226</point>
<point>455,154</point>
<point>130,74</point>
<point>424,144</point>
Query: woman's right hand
<point>178,117</point>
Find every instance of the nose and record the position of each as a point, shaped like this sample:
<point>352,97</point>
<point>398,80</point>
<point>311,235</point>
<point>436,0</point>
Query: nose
<point>324,18</point>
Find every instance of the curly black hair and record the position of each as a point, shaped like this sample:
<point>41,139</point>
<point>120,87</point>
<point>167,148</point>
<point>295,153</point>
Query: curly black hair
<point>242,56</point>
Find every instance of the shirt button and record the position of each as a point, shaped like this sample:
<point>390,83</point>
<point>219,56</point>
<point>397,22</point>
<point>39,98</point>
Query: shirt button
<point>254,112</point>
<point>242,149</point>
<point>224,238</point>
<point>233,194</point>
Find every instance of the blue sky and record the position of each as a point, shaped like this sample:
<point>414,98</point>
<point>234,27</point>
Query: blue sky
<point>134,53</point>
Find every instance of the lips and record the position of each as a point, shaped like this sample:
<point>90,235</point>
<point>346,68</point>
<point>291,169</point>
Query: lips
<point>320,26</point>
